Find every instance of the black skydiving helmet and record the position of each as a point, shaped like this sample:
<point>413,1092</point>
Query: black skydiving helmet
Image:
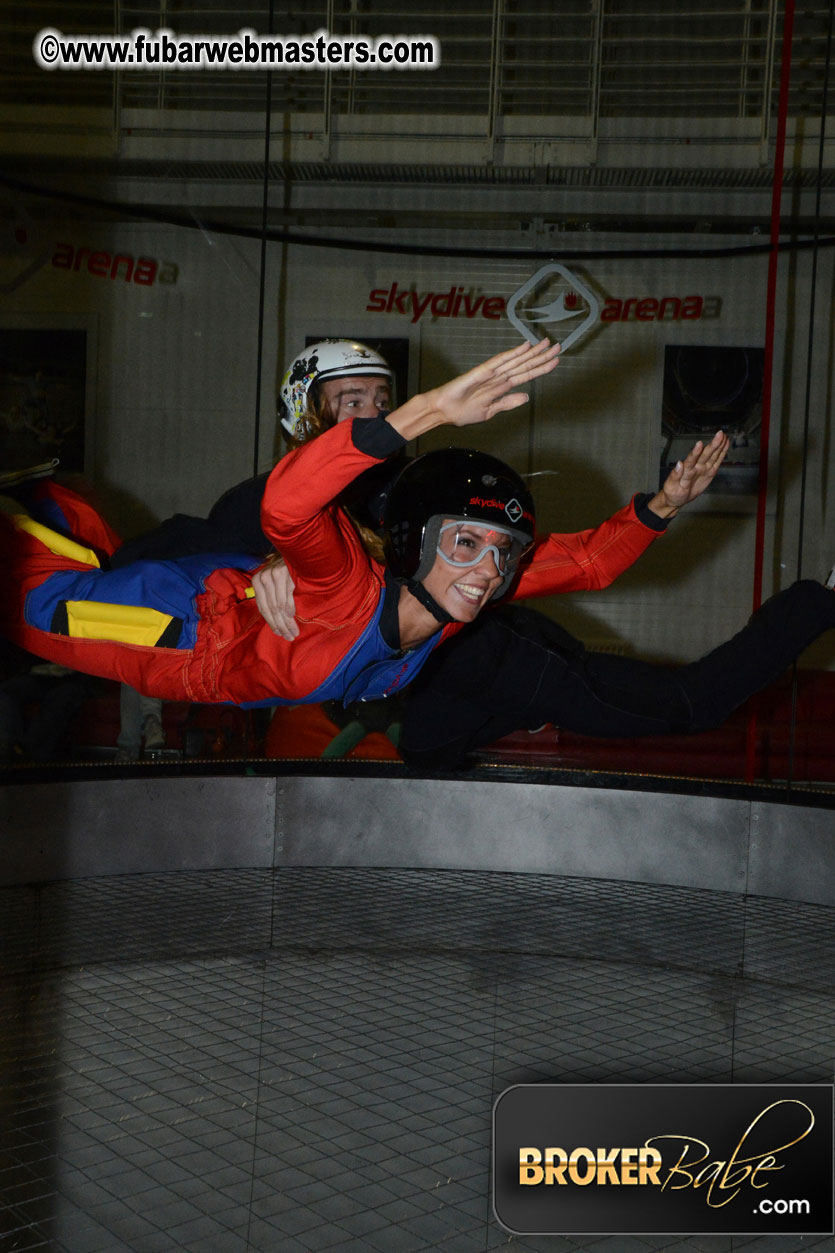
<point>453,486</point>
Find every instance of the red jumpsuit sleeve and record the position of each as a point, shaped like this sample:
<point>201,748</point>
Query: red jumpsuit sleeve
<point>587,560</point>
<point>298,514</point>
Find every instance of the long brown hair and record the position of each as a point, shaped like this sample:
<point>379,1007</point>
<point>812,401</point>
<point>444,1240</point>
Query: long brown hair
<point>316,418</point>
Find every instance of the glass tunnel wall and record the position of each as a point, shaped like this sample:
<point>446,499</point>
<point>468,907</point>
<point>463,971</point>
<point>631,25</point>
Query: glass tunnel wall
<point>154,295</point>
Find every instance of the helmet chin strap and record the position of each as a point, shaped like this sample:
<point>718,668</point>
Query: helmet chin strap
<point>428,601</point>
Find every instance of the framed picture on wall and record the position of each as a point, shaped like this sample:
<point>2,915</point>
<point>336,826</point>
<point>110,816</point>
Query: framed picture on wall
<point>709,388</point>
<point>46,385</point>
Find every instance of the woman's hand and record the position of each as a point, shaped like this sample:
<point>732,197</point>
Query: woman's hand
<point>274,588</point>
<point>689,478</point>
<point>487,389</point>
<point>479,394</point>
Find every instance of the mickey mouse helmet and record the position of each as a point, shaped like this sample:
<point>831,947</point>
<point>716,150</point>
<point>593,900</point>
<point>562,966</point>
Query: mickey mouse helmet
<point>329,359</point>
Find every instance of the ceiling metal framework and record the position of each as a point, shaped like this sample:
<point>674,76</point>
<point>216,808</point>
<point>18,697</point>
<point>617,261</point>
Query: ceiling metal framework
<point>581,73</point>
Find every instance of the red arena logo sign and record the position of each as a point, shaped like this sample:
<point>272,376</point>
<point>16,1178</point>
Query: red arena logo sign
<point>458,302</point>
<point>660,309</point>
<point>142,270</point>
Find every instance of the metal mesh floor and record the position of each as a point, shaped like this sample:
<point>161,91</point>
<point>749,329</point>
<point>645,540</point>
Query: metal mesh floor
<point>307,1059</point>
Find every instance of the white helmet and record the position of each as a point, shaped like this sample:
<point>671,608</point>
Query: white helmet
<point>329,359</point>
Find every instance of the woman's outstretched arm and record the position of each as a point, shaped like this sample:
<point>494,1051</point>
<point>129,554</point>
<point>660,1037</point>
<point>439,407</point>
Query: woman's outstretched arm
<point>478,395</point>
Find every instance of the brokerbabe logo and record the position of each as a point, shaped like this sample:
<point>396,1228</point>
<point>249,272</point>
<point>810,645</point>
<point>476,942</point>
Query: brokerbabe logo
<point>664,1159</point>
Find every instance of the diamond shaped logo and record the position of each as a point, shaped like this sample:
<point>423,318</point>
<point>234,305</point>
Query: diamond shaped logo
<point>513,510</point>
<point>559,299</point>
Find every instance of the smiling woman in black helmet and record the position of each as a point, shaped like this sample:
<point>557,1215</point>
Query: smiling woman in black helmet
<point>516,668</point>
<point>187,629</point>
<point>456,524</point>
<point>459,534</point>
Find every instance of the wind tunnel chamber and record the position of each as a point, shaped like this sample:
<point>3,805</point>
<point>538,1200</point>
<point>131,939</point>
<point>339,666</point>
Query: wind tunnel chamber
<point>263,981</point>
<point>289,1024</point>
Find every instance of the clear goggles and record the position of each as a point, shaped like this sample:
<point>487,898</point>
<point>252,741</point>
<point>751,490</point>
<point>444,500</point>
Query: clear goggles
<point>465,544</point>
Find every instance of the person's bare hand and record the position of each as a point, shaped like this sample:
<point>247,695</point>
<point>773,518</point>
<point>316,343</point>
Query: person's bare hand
<point>488,388</point>
<point>274,588</point>
<point>689,478</point>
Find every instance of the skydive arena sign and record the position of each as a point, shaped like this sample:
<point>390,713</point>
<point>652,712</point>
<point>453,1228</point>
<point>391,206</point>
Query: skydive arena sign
<point>405,300</point>
<point>699,1159</point>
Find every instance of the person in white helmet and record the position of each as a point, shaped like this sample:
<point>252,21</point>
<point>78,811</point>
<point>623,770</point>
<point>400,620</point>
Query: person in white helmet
<point>324,384</point>
<point>330,381</point>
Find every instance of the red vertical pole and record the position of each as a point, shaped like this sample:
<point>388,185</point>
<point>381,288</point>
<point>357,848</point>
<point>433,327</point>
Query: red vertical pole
<point>768,356</point>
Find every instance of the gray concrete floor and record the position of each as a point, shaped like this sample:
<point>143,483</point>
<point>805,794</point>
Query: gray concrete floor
<point>305,1059</point>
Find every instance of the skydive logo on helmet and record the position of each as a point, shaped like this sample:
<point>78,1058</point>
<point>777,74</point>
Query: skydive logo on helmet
<point>511,507</point>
